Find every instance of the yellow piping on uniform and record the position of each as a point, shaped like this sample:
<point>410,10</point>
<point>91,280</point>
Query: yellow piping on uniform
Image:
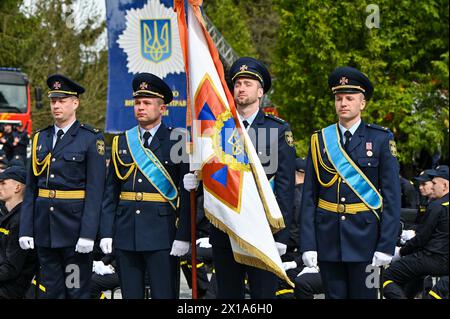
<point>199,265</point>
<point>40,286</point>
<point>434,295</point>
<point>115,156</point>
<point>35,163</point>
<point>284,291</point>
<point>387,282</point>
<point>315,153</point>
<point>4,231</point>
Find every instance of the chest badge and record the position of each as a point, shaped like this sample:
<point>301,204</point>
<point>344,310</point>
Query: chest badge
<point>369,152</point>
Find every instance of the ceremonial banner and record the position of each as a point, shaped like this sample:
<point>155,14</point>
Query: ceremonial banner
<point>142,37</point>
<point>238,198</point>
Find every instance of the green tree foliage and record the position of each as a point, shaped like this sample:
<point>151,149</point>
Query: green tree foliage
<point>232,23</point>
<point>44,41</point>
<point>249,26</point>
<point>406,58</point>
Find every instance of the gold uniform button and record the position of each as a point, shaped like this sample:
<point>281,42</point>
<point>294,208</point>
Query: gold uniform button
<point>139,197</point>
<point>342,217</point>
<point>52,208</point>
<point>138,212</point>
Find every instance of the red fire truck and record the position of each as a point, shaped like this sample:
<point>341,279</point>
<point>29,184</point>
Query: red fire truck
<point>15,102</point>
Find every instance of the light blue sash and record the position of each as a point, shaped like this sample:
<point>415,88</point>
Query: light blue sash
<point>348,170</point>
<point>272,183</point>
<point>151,167</point>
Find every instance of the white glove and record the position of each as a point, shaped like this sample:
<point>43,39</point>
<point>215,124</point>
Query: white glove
<point>381,259</point>
<point>190,182</point>
<point>310,258</point>
<point>281,248</point>
<point>179,248</point>
<point>308,270</point>
<point>101,269</point>
<point>407,235</point>
<point>289,265</point>
<point>203,242</point>
<point>26,242</point>
<point>106,245</point>
<point>84,245</point>
<point>396,254</point>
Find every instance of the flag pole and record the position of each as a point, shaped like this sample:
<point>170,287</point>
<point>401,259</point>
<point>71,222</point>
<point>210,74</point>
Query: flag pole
<point>193,195</point>
<point>182,27</point>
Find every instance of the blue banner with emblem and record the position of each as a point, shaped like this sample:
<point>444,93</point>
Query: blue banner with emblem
<point>143,37</point>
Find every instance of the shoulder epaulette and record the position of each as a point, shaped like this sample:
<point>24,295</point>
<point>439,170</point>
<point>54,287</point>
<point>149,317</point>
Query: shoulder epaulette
<point>90,128</point>
<point>275,118</point>
<point>445,204</point>
<point>45,128</point>
<point>378,127</point>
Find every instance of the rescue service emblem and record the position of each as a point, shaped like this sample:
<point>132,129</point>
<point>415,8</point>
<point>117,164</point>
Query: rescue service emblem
<point>101,147</point>
<point>289,138</point>
<point>393,148</point>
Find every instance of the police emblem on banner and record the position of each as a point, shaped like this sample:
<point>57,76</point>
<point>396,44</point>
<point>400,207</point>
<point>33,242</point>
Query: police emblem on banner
<point>151,40</point>
<point>156,39</point>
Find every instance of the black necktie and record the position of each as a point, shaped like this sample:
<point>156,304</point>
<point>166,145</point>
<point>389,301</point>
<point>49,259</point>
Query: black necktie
<point>59,135</point>
<point>146,136</point>
<point>245,124</point>
<point>348,136</point>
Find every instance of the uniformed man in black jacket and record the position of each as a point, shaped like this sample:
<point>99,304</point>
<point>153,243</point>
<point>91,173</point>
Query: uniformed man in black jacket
<point>410,197</point>
<point>62,204</point>
<point>251,81</point>
<point>146,210</point>
<point>350,213</point>
<point>17,266</point>
<point>427,252</point>
<point>426,193</point>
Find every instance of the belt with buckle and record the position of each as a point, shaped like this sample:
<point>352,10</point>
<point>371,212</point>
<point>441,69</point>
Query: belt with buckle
<point>51,193</point>
<point>343,208</point>
<point>145,197</point>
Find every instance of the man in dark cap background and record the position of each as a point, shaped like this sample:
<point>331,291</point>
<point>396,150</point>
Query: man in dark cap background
<point>251,80</point>
<point>427,252</point>
<point>300,166</point>
<point>17,266</point>
<point>141,216</point>
<point>350,213</point>
<point>62,204</point>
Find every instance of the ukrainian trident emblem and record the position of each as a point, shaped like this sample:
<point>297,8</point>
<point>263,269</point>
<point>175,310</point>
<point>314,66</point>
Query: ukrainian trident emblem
<point>156,39</point>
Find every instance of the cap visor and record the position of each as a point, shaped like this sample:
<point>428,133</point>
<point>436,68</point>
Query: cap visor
<point>59,94</point>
